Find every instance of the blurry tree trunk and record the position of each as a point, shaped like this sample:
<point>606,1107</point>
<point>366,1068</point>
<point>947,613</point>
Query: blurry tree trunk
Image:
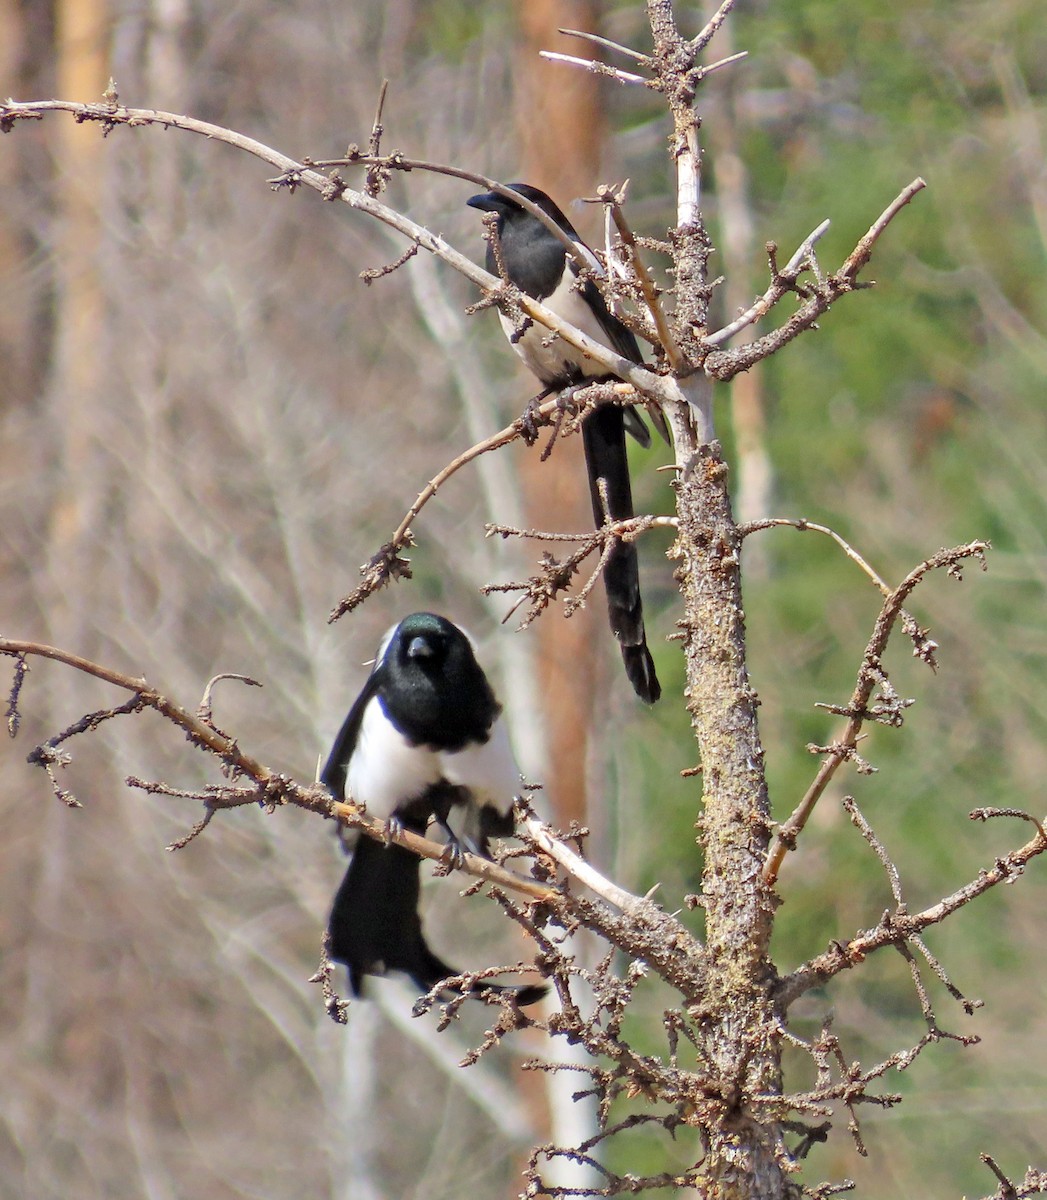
<point>80,52</point>
<point>15,319</point>
<point>561,130</point>
<point>74,485</point>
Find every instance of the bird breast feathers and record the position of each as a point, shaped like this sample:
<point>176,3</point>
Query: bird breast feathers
<point>487,769</point>
<point>551,357</point>
<point>387,771</point>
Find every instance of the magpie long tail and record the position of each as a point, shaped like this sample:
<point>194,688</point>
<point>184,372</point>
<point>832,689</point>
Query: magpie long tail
<point>375,927</point>
<point>603,436</point>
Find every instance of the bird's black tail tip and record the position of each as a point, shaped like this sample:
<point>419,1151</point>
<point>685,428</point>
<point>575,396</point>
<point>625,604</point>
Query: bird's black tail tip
<point>432,970</point>
<point>529,993</point>
<point>639,666</point>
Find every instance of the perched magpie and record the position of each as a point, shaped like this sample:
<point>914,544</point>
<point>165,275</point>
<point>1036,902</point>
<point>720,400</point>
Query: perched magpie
<point>538,263</point>
<point>422,742</point>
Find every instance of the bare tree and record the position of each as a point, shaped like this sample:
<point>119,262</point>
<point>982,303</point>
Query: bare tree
<point>719,1075</point>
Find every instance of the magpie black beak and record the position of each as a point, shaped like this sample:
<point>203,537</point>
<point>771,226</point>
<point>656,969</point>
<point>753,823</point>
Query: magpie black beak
<point>486,201</point>
<point>419,648</point>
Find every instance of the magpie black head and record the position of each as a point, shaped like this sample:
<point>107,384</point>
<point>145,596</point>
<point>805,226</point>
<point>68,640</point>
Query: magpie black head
<point>424,642</point>
<point>431,686</point>
<point>535,259</point>
<point>509,211</point>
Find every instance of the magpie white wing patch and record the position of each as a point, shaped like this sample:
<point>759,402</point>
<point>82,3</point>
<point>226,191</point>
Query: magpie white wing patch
<point>553,360</point>
<point>385,770</point>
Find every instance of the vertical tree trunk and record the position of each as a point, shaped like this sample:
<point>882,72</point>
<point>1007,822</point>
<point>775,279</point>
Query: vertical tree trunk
<point>80,28</point>
<point>736,1023</point>
<point>561,132</point>
<point>737,248</point>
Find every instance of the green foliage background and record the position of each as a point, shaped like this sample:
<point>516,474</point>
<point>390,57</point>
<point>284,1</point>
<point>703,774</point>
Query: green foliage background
<point>914,418</point>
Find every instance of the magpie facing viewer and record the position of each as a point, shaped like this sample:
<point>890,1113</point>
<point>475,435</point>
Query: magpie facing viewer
<point>538,263</point>
<point>422,742</point>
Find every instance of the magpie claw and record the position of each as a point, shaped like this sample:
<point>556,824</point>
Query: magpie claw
<point>453,855</point>
<point>528,420</point>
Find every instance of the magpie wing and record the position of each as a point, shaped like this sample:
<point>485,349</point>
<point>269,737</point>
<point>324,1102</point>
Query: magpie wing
<point>337,765</point>
<point>622,340</point>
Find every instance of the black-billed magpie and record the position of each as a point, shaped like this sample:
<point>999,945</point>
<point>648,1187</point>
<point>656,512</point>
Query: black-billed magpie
<point>538,263</point>
<point>422,742</point>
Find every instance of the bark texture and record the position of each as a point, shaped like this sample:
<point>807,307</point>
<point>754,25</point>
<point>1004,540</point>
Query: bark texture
<point>735,1020</point>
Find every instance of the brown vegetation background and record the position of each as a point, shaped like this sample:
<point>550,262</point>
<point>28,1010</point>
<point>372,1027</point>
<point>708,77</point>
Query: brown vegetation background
<point>208,421</point>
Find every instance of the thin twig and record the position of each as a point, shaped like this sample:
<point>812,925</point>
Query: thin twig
<point>803,525</point>
<point>607,44</point>
<point>626,530</point>
<point>1007,1190</point>
<point>719,65</point>
<point>203,710</point>
<point>198,731</point>
<point>650,294</point>
<point>14,717</point>
<point>703,39</point>
<point>595,67</point>
<point>898,927</point>
<point>782,283</point>
<point>988,814</point>
<point>376,177</point>
<point>865,829</point>
<point>857,710</point>
<point>725,364</point>
<point>861,254</point>
<point>579,869</point>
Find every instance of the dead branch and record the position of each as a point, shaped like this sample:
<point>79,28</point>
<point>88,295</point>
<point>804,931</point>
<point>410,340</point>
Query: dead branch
<point>388,565</point>
<point>555,575</point>
<point>271,789</point>
<point>690,240</point>
<point>712,26</point>
<point>803,525</point>
<point>616,47</point>
<point>894,879</point>
<point>1034,1183</point>
<point>899,927</point>
<point>309,173</point>
<point>782,282</point>
<point>654,305</point>
<point>819,298</point>
<point>596,67</point>
<point>870,674</point>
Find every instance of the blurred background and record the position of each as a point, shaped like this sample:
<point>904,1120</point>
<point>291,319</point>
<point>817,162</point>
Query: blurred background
<point>208,422</point>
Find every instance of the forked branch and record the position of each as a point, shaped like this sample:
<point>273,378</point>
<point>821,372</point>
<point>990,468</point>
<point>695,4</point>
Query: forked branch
<point>870,675</point>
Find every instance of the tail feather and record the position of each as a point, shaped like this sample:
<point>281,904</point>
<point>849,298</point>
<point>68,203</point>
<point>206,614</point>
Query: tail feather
<point>375,927</point>
<point>603,435</point>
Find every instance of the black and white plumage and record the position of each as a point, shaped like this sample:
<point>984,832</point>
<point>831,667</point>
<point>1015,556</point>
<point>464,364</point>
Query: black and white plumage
<point>538,263</point>
<point>422,743</point>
